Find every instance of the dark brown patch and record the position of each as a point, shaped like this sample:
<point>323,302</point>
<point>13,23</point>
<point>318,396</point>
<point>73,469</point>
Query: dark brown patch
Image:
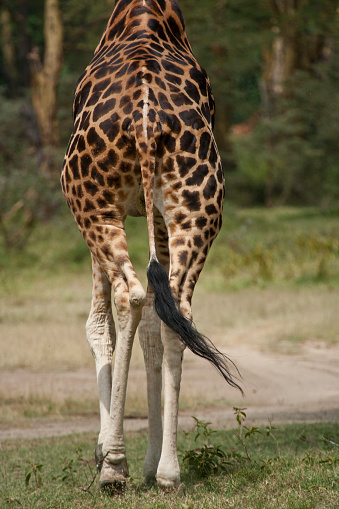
<point>191,200</point>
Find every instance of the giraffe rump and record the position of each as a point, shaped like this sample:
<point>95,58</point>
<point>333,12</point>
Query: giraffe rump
<point>168,310</point>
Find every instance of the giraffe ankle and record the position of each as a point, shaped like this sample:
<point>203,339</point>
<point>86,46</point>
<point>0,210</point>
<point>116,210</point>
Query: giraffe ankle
<point>137,296</point>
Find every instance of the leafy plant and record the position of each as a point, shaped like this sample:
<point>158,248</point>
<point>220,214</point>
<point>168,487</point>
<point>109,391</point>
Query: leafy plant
<point>34,469</point>
<point>207,459</point>
<point>68,471</point>
<point>244,431</point>
<point>269,433</point>
<point>71,467</point>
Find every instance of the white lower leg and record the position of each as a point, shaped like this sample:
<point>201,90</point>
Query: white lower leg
<point>168,473</point>
<point>154,382</point>
<point>104,379</point>
<point>115,468</point>
<point>150,341</point>
<point>101,339</point>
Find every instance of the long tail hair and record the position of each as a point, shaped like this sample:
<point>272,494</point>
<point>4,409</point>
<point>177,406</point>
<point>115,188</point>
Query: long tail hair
<point>169,312</point>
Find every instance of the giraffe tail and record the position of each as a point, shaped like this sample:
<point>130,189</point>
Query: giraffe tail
<point>165,304</point>
<point>168,310</point>
<point>145,141</point>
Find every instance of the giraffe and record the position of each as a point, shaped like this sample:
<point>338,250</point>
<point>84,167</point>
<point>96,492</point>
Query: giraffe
<point>143,145</point>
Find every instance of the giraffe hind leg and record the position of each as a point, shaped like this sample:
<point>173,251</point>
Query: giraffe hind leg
<point>173,304</point>
<point>112,257</point>
<point>114,468</point>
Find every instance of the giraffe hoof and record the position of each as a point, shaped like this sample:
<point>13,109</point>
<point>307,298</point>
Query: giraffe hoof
<point>168,484</point>
<point>113,476</point>
<point>150,468</point>
<point>150,479</point>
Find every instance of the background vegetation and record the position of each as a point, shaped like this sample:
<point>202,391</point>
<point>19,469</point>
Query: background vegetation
<point>274,71</point>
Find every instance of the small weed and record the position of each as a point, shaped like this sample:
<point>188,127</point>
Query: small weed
<point>308,459</point>
<point>34,470</point>
<point>268,430</point>
<point>71,467</point>
<point>203,431</point>
<point>207,459</point>
<point>68,471</point>
<point>329,461</point>
<point>244,431</point>
<point>266,463</point>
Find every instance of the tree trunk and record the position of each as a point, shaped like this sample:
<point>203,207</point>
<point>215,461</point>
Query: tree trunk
<point>44,84</point>
<point>8,50</point>
<point>21,15</point>
<point>293,48</point>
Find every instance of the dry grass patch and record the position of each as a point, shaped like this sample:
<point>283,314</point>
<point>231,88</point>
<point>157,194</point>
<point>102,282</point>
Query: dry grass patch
<point>271,318</point>
<point>45,330</point>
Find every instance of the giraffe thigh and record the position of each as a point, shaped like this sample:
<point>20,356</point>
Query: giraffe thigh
<point>111,252</point>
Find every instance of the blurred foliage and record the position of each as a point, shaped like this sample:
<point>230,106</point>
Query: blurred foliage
<point>293,157</point>
<point>289,156</point>
<point>26,195</point>
<point>284,245</point>
<point>256,247</point>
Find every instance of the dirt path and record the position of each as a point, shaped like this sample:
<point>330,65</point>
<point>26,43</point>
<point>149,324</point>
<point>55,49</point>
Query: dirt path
<point>279,388</point>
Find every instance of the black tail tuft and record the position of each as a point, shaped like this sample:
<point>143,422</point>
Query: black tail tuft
<point>169,312</point>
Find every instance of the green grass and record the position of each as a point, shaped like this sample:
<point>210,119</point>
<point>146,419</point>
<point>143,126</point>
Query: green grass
<point>256,247</point>
<point>283,246</point>
<point>297,469</point>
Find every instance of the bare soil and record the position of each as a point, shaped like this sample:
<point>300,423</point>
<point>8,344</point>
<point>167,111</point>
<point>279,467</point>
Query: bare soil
<point>279,388</point>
